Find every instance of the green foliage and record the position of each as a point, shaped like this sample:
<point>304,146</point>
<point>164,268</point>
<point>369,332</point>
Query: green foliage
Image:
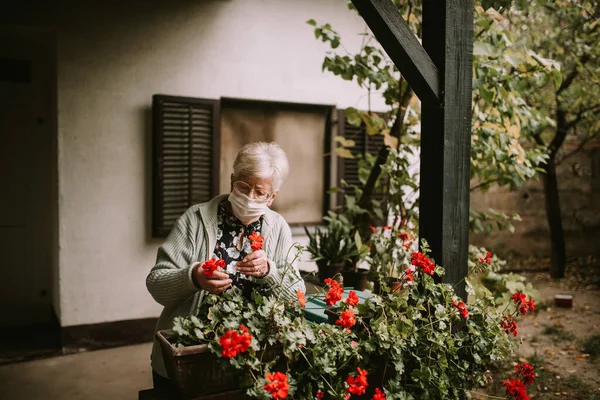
<point>502,120</point>
<point>332,244</point>
<point>591,346</point>
<point>412,342</point>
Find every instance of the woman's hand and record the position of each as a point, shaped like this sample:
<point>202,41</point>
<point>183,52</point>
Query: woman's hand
<point>254,264</point>
<point>217,283</point>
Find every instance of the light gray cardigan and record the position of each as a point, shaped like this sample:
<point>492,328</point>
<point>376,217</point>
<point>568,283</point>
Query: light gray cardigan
<point>193,239</point>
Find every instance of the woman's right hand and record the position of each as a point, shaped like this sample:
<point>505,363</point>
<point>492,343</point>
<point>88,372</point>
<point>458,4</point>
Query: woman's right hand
<point>217,283</point>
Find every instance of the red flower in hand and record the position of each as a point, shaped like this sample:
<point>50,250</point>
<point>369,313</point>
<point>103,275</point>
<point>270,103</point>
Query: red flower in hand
<point>211,266</point>
<point>256,241</point>
<point>352,298</point>
<point>526,372</point>
<point>277,385</point>
<point>235,342</point>
<point>335,292</point>
<point>347,319</point>
<point>301,298</point>
<point>462,308</point>
<point>357,384</point>
<point>379,395</point>
<point>422,261</point>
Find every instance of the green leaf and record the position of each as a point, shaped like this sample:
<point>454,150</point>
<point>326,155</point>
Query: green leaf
<point>311,22</point>
<point>352,116</point>
<point>344,153</point>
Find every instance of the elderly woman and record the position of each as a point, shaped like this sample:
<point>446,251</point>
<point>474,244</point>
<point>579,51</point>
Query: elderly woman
<point>221,228</point>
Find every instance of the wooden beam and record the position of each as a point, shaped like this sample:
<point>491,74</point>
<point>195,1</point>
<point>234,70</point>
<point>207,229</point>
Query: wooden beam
<point>401,44</point>
<point>446,137</point>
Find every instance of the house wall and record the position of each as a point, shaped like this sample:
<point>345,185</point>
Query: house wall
<point>112,57</point>
<point>579,192</point>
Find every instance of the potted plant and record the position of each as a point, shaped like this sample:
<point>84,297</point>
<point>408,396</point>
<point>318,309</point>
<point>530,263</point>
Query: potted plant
<point>331,248</point>
<point>420,341</point>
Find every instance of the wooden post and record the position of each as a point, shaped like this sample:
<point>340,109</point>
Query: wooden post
<point>446,137</point>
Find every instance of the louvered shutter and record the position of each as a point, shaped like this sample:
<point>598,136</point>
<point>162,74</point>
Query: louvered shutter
<point>186,157</point>
<point>364,143</point>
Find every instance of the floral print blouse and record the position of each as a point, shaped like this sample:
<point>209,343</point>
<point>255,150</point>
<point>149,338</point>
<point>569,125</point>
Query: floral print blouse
<point>230,231</point>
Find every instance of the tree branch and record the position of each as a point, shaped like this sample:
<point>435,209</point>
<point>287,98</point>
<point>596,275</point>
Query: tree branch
<point>578,149</point>
<point>485,183</point>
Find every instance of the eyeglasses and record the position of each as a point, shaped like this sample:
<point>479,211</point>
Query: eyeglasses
<point>259,193</point>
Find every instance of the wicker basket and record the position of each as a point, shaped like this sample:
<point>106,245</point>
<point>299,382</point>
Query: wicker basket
<point>197,372</point>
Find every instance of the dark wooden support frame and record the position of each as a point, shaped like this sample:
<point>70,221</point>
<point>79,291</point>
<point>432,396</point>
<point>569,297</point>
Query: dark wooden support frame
<point>447,52</point>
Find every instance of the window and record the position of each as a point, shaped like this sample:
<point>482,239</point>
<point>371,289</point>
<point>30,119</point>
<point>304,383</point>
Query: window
<point>196,141</point>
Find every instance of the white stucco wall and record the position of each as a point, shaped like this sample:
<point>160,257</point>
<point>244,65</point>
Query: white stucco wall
<point>111,60</point>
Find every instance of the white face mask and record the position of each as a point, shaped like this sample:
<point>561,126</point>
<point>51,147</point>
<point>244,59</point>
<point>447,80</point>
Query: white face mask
<point>245,208</point>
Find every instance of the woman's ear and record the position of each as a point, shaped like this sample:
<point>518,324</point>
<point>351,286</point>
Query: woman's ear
<point>272,198</point>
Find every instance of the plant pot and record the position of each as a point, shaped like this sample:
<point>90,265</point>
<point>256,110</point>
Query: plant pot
<point>356,279</point>
<point>393,283</point>
<point>198,373</point>
<point>327,270</point>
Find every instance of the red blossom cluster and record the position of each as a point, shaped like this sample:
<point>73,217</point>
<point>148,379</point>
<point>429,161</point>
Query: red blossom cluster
<point>422,261</point>
<point>319,395</point>
<point>347,319</point>
<point>357,384</point>
<point>352,298</point>
<point>373,229</point>
<point>235,342</point>
<point>335,292</point>
<point>462,308</point>
<point>524,305</point>
<point>526,372</point>
<point>379,395</point>
<point>301,298</point>
<point>277,385</point>
<point>256,241</point>
<point>409,275</point>
<point>210,266</point>
<point>406,238</point>
<point>487,259</point>
<point>509,325</point>
<point>515,388</point>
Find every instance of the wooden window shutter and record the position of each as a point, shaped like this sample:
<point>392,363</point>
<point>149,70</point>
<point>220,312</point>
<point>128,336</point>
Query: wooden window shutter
<point>364,144</point>
<point>186,157</point>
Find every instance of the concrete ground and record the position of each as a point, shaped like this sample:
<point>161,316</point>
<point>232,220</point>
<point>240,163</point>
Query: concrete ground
<point>114,374</point>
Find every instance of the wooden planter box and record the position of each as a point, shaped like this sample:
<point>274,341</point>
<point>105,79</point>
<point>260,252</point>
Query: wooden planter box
<point>197,372</point>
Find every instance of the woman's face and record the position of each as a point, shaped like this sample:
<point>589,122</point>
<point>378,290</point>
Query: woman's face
<point>255,188</point>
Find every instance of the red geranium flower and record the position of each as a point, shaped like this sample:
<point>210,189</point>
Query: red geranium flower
<point>462,308</point>
<point>403,236</point>
<point>518,297</point>
<point>335,292</point>
<point>373,229</point>
<point>211,266</point>
<point>526,372</point>
<point>257,241</point>
<point>387,227</point>
<point>352,298</point>
<point>515,388</point>
<point>409,275</point>
<point>422,261</point>
<point>487,259</point>
<point>278,385</point>
<point>357,384</point>
<point>301,298</point>
<point>319,394</point>
<point>235,342</point>
<point>347,319</point>
<point>523,304</point>
<point>379,395</point>
<point>509,325</point>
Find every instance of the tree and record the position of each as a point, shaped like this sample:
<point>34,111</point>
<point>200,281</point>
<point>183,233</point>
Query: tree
<point>567,32</point>
<point>502,119</point>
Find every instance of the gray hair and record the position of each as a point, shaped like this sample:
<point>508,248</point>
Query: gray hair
<point>262,160</point>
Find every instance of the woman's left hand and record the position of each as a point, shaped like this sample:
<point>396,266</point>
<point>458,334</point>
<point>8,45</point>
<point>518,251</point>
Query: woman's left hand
<point>254,264</point>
